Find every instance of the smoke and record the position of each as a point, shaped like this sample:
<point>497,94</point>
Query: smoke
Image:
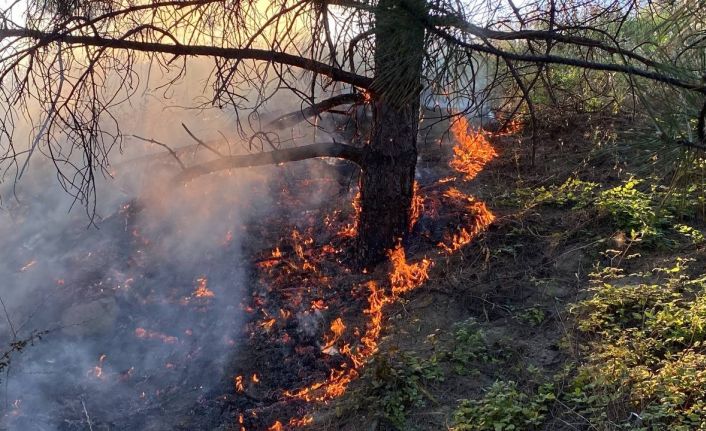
<point>144,306</point>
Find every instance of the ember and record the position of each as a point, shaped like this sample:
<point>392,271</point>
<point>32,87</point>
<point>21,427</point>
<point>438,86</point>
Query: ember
<point>154,335</point>
<point>239,384</point>
<point>202,290</point>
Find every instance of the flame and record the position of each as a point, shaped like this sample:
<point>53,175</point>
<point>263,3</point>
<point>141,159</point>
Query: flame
<point>417,206</point>
<point>241,422</point>
<point>376,301</point>
<point>319,304</point>
<point>354,346</point>
<point>97,371</point>
<point>404,276</point>
<point>513,127</point>
<point>16,408</point>
<point>202,291</point>
<point>255,379</point>
<point>228,238</point>
<point>479,215</point>
<point>338,380</point>
<point>268,324</point>
<point>337,328</point>
<point>300,422</point>
<point>472,151</point>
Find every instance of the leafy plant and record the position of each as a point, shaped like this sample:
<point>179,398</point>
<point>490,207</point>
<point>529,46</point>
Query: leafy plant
<point>534,316</point>
<point>469,346</point>
<point>504,408</point>
<point>628,208</point>
<point>395,384</point>
<point>645,364</point>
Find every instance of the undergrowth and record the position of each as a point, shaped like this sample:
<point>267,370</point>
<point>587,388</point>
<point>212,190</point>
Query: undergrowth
<point>644,361</point>
<point>504,407</point>
<point>652,215</point>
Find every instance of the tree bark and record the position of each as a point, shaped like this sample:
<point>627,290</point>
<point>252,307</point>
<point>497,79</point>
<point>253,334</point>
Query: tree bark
<point>390,158</point>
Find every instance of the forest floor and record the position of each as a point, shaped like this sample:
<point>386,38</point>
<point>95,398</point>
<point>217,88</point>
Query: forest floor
<point>522,329</point>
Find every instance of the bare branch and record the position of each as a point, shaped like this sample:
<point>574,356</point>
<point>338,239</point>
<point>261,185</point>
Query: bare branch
<point>165,146</point>
<point>326,149</point>
<point>200,142</point>
<point>292,118</point>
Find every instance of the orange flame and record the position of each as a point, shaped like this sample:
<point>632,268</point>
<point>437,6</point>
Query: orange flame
<point>241,422</point>
<point>351,229</point>
<point>482,218</point>
<point>338,380</point>
<point>417,206</point>
<point>337,328</point>
<point>97,371</point>
<point>404,276</point>
<point>28,265</point>
<point>300,422</point>
<point>472,150</point>
<point>513,127</point>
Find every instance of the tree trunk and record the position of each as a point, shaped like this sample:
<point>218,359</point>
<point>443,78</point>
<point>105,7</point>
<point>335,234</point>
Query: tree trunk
<point>390,158</point>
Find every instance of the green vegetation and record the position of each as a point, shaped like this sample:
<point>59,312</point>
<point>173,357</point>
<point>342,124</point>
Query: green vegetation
<point>646,216</point>
<point>645,358</point>
<point>469,347</point>
<point>504,408</point>
<point>395,384</point>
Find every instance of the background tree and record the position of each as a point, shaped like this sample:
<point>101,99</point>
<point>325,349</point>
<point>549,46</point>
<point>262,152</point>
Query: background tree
<point>77,60</point>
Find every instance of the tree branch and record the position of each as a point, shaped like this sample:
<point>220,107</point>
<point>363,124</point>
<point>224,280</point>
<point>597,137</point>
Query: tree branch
<point>332,72</point>
<point>292,118</point>
<point>586,64</point>
<point>547,35</point>
<point>326,149</point>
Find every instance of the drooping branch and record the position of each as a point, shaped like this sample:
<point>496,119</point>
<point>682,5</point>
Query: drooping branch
<point>433,27</point>
<point>337,74</point>
<point>569,61</point>
<point>326,149</point>
<point>292,118</point>
<point>546,35</point>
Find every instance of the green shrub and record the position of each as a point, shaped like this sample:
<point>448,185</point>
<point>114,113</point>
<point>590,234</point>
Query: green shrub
<point>503,408</point>
<point>469,347</point>
<point>394,385</point>
<point>645,354</point>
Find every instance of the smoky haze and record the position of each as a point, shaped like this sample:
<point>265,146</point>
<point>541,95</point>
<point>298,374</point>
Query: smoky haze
<point>143,306</point>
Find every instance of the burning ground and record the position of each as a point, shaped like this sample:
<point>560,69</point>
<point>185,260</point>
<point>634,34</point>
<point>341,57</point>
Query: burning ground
<point>139,324</point>
<point>315,323</point>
